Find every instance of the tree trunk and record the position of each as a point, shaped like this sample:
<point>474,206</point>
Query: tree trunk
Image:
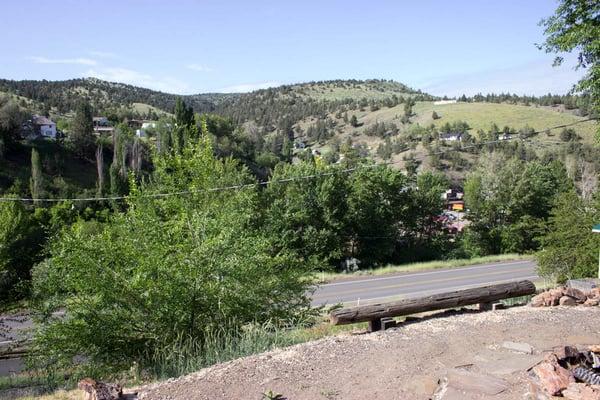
<point>459,298</point>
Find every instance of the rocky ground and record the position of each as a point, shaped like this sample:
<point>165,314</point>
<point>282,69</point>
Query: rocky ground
<point>466,356</point>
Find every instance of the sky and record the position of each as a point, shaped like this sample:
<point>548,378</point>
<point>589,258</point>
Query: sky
<point>198,46</point>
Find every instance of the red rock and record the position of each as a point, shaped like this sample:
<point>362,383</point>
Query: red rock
<point>538,301</point>
<point>96,390</point>
<point>553,378</point>
<point>581,391</point>
<point>567,301</point>
<point>592,301</point>
<point>576,294</point>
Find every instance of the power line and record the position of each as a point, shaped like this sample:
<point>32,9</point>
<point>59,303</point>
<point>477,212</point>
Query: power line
<point>277,181</point>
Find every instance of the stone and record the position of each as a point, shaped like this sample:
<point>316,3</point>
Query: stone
<point>581,391</point>
<point>538,301</point>
<point>564,352</point>
<point>567,301</point>
<point>476,383</point>
<point>576,294</point>
<point>591,302</point>
<point>518,347</point>
<point>583,284</point>
<point>96,390</point>
<point>552,377</point>
<point>485,307</point>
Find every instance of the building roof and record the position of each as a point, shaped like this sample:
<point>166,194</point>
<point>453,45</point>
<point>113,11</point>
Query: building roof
<point>448,135</point>
<point>42,120</point>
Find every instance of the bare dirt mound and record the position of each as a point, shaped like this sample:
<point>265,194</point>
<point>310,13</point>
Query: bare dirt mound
<point>474,356</point>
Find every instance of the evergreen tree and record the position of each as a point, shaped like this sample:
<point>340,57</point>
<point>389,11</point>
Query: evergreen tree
<point>82,129</point>
<point>354,121</point>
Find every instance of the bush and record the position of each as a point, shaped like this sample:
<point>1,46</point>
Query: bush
<point>167,268</point>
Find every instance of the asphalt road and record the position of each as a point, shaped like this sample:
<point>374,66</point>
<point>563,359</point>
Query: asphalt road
<point>353,291</point>
<point>405,285</point>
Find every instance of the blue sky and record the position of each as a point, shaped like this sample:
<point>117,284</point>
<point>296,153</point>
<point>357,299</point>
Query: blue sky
<point>187,46</point>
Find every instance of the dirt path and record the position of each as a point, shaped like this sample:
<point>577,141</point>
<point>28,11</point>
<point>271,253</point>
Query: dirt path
<point>402,363</point>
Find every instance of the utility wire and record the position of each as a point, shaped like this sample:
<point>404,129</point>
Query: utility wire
<point>284,180</point>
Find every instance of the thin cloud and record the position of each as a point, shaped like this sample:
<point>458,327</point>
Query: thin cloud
<point>248,87</point>
<point>102,54</point>
<point>535,78</point>
<point>78,61</point>
<point>199,68</point>
<point>124,75</point>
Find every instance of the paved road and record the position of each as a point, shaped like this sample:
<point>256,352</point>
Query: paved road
<point>363,290</point>
<point>371,289</point>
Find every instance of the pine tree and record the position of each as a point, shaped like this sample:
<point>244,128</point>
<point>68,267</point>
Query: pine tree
<point>354,121</point>
<point>82,129</point>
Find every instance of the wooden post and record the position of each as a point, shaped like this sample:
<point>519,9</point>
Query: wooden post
<point>374,312</point>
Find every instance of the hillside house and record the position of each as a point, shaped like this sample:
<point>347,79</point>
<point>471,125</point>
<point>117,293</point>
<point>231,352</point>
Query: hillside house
<point>148,125</point>
<point>102,125</point>
<point>451,137</point>
<point>454,199</point>
<point>44,126</point>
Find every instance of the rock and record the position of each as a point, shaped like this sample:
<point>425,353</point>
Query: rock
<point>518,347</point>
<point>583,284</point>
<point>595,348</point>
<point>477,383</point>
<point>567,301</point>
<point>592,302</point>
<point>552,377</point>
<point>576,294</point>
<point>581,391</point>
<point>563,352</point>
<point>96,390</point>
<point>538,301</point>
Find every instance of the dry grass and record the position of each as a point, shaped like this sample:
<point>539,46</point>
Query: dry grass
<point>422,266</point>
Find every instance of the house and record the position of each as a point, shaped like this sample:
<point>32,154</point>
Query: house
<point>454,199</point>
<point>442,102</point>
<point>102,125</point>
<point>141,132</point>
<point>44,126</point>
<point>451,137</point>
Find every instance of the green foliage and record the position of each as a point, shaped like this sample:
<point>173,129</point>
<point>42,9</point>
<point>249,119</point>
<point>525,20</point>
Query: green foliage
<point>510,201</point>
<point>82,128</point>
<point>354,121</point>
<point>166,268</point>
<point>575,27</point>
<point>21,239</point>
<point>569,248</point>
<point>36,183</point>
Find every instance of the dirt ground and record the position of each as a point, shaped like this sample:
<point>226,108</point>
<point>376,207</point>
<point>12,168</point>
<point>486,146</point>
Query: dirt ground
<point>401,363</point>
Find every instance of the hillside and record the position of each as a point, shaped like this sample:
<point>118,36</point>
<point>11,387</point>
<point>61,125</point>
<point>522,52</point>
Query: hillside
<point>63,96</point>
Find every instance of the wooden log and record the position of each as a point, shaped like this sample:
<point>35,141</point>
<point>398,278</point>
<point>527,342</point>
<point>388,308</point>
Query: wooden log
<point>459,298</point>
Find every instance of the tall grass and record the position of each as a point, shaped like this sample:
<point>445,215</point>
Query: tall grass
<point>187,354</point>
<point>422,266</point>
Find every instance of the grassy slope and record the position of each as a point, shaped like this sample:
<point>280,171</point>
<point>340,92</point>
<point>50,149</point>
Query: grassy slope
<point>330,91</point>
<point>482,115</point>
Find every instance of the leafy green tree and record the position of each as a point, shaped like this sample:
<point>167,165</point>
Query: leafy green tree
<point>377,201</point>
<point>354,121</point>
<point>21,240</point>
<point>575,27</point>
<point>307,215</point>
<point>166,271</point>
<point>36,182</point>
<point>509,202</point>
<point>569,249</point>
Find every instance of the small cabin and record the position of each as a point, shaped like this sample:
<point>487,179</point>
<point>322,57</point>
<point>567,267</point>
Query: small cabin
<point>44,126</point>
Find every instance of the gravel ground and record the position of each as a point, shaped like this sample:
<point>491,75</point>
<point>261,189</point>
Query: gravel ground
<point>402,363</point>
